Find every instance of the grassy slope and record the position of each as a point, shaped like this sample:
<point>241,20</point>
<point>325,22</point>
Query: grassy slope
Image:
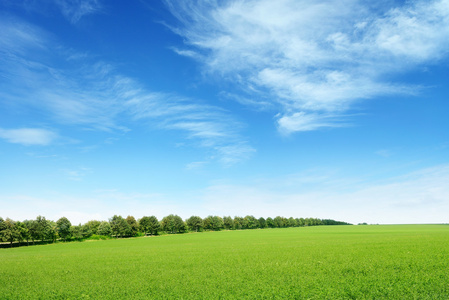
<point>344,262</point>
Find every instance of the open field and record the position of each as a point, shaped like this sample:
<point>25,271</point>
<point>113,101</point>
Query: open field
<point>325,262</point>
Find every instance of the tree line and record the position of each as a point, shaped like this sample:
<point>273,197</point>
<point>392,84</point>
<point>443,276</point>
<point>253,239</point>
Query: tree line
<point>48,231</point>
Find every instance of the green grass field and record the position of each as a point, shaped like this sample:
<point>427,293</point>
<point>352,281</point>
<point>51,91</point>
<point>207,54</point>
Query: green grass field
<point>325,262</point>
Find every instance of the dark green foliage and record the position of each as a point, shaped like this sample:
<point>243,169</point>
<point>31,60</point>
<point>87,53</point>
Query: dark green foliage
<point>262,222</point>
<point>104,229</point>
<point>154,225</point>
<point>194,223</point>
<point>49,231</point>
<point>228,223</point>
<point>238,222</point>
<point>76,232</point>
<point>93,226</point>
<point>63,227</point>
<point>173,224</point>
<point>133,226</point>
<point>251,222</point>
<point>8,231</point>
<point>119,226</point>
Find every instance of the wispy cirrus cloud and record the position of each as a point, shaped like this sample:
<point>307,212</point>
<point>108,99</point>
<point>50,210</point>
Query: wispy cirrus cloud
<point>95,95</point>
<point>313,60</point>
<point>74,10</point>
<point>28,136</point>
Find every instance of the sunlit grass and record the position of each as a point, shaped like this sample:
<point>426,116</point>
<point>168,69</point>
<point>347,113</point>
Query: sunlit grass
<point>326,262</point>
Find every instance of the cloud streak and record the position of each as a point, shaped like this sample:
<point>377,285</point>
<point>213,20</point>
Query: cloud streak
<point>94,95</point>
<point>28,136</point>
<point>74,10</point>
<point>313,60</point>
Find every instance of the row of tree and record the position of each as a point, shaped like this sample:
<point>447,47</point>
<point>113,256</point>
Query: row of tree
<point>44,230</point>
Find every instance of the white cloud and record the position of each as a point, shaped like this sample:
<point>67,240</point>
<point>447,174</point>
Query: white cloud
<point>28,136</point>
<point>93,94</point>
<point>74,10</point>
<point>313,58</point>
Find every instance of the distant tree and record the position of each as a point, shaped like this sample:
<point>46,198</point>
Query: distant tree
<point>228,223</point>
<point>173,224</point>
<point>76,232</point>
<point>52,231</point>
<point>93,226</point>
<point>168,224</point>
<point>23,232</point>
<point>133,226</point>
<point>207,223</point>
<point>9,233</point>
<point>144,224</point>
<point>278,222</point>
<point>86,231</point>
<point>238,222</point>
<point>270,223</point>
<point>119,226</point>
<point>217,223</point>
<point>32,230</point>
<point>63,226</point>
<point>154,225</point>
<point>180,225</point>
<point>251,222</point>
<point>262,222</point>
<point>244,223</point>
<point>2,227</point>
<point>291,222</point>
<point>42,228</point>
<point>104,229</point>
<point>195,223</point>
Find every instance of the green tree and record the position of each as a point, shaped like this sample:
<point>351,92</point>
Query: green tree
<point>180,225</point>
<point>133,227</point>
<point>23,232</point>
<point>238,222</point>
<point>52,231</point>
<point>42,228</point>
<point>86,231</point>
<point>251,222</point>
<point>76,232</point>
<point>2,227</point>
<point>262,222</point>
<point>119,226</point>
<point>173,224</point>
<point>63,227</point>
<point>31,225</point>
<point>154,225</point>
<point>291,222</point>
<point>93,226</point>
<point>144,224</point>
<point>228,223</point>
<point>194,223</point>
<point>104,229</point>
<point>217,223</point>
<point>9,232</point>
<point>207,223</point>
<point>278,222</point>
<point>244,223</point>
<point>270,223</point>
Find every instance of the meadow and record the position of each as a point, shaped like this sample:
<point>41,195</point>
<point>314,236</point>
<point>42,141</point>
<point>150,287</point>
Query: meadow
<point>323,262</point>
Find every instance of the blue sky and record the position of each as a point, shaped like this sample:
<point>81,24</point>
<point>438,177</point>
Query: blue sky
<point>327,109</point>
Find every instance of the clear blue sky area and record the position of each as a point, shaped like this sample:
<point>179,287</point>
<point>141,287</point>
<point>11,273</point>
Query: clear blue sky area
<point>327,109</point>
